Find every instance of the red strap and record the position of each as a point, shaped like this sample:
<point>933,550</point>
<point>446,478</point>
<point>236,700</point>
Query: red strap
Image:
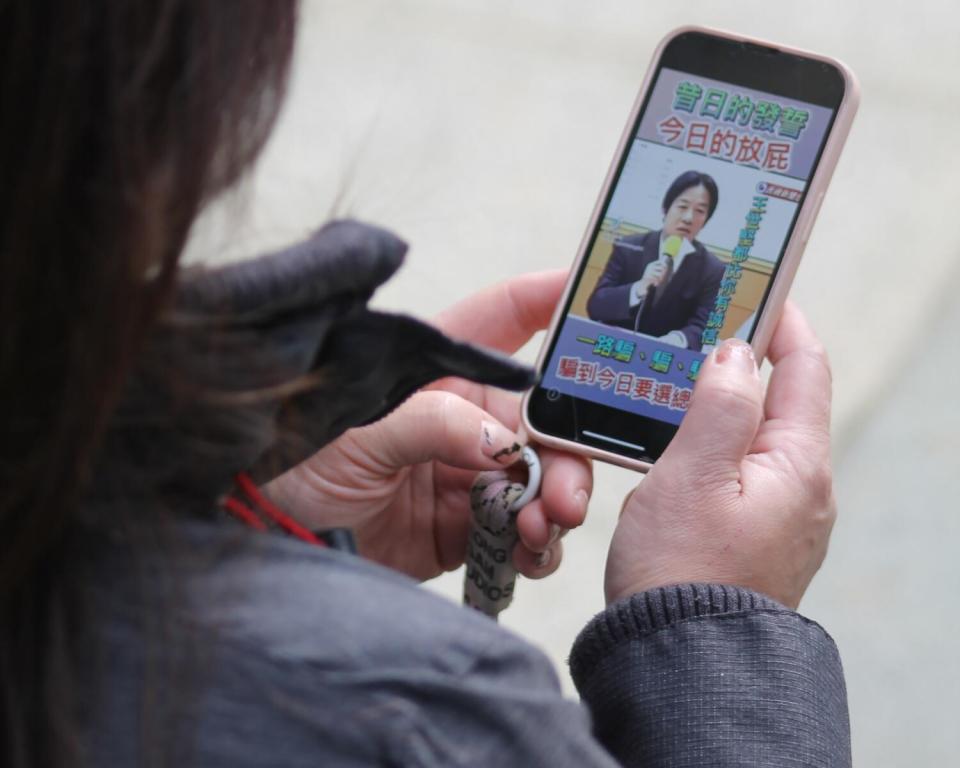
<point>241,511</point>
<point>268,508</point>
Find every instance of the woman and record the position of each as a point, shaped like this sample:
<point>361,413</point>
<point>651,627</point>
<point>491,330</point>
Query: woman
<point>139,625</point>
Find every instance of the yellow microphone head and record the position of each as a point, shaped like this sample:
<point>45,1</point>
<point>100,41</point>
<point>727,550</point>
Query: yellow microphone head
<point>671,246</point>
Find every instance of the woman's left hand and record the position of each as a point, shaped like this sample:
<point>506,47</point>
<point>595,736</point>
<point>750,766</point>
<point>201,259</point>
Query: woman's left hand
<point>402,484</point>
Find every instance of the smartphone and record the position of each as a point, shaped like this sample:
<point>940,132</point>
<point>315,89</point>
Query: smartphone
<point>695,238</point>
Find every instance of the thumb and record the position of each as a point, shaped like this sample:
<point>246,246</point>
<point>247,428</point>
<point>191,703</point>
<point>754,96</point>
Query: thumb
<point>725,411</point>
<point>442,426</point>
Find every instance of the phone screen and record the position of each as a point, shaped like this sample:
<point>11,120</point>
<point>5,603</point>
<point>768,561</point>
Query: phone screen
<point>688,242</point>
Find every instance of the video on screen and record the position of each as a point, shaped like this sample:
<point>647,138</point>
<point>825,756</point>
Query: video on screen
<point>688,243</point>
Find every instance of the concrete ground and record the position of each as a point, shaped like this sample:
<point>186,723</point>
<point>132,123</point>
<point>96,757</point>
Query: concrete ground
<point>481,132</point>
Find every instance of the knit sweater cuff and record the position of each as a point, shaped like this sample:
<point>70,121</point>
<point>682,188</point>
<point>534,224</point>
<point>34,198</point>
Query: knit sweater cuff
<point>647,612</point>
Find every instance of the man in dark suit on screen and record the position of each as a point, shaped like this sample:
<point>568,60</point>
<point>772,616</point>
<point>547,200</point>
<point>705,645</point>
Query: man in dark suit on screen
<point>664,283</point>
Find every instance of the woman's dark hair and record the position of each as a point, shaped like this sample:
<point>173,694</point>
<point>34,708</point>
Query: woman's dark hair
<point>118,121</point>
<point>690,179</point>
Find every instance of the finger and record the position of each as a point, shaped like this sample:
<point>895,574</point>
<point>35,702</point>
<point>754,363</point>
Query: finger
<point>799,389</point>
<point>503,406</point>
<point>562,504</point>
<point>566,487</point>
<point>505,315</point>
<point>724,415</point>
<point>534,528</point>
<point>536,565</point>
<point>437,426</point>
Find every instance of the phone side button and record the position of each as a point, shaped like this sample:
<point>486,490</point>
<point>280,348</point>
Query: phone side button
<point>808,224</point>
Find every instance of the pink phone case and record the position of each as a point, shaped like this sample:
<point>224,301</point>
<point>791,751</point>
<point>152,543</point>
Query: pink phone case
<point>794,249</point>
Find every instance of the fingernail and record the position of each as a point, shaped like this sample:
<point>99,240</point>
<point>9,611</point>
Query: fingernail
<point>737,352</point>
<point>555,531</point>
<point>499,443</point>
<point>582,498</point>
<point>544,559</point>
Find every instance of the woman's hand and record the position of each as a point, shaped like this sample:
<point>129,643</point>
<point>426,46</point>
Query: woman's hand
<point>743,494</point>
<point>402,484</point>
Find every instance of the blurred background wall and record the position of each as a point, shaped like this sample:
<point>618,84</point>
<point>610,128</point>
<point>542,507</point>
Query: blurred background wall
<point>481,132</point>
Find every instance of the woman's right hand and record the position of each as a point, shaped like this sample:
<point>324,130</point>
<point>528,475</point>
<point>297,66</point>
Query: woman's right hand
<point>743,494</point>
<point>402,484</point>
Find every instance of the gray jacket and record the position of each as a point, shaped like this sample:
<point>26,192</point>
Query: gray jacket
<point>215,646</point>
<point>276,653</point>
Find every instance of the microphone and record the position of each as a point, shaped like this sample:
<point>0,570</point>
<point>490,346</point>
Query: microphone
<point>671,247</point>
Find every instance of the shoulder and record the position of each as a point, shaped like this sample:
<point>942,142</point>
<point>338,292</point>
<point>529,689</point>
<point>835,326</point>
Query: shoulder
<point>309,656</point>
<point>639,243</point>
<point>301,598</point>
<point>287,602</point>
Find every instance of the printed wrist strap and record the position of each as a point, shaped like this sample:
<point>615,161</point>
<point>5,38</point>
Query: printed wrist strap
<point>495,502</point>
